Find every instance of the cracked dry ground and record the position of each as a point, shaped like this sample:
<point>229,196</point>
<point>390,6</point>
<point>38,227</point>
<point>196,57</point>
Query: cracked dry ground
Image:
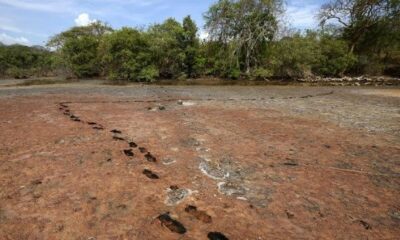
<point>74,167</point>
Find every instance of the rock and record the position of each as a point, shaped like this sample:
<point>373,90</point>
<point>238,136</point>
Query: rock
<point>176,196</point>
<point>212,170</point>
<point>231,189</point>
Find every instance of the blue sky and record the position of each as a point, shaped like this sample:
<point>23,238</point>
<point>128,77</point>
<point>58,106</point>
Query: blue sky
<point>32,22</point>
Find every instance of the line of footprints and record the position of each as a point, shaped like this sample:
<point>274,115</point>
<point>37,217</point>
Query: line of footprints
<point>165,218</point>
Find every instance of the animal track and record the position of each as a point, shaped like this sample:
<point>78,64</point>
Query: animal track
<point>199,215</point>
<point>216,236</point>
<point>150,157</point>
<point>116,131</point>
<point>172,224</point>
<point>118,138</point>
<point>142,149</point>
<point>365,224</point>
<point>129,152</point>
<point>150,174</point>
<point>165,219</point>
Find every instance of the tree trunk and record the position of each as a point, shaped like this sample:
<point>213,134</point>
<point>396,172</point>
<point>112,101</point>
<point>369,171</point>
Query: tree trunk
<point>248,68</point>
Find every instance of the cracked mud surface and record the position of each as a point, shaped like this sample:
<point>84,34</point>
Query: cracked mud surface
<point>222,163</point>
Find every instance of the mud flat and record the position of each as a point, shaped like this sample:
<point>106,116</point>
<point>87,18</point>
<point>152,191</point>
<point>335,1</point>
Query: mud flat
<point>88,161</point>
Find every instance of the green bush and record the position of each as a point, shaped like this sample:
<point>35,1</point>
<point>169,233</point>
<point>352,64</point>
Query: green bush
<point>125,55</point>
<point>18,73</point>
<point>149,74</point>
<point>81,56</point>
<point>261,73</point>
<point>335,58</point>
<point>293,57</point>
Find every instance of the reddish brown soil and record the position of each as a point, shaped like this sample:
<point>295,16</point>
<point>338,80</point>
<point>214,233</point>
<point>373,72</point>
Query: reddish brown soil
<point>289,177</point>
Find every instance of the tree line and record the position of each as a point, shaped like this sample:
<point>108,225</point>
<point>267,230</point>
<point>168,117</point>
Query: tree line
<point>246,39</point>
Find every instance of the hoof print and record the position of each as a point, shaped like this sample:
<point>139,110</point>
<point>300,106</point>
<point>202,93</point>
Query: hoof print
<point>116,131</point>
<point>132,145</point>
<point>365,225</point>
<point>142,149</point>
<point>216,236</point>
<point>150,174</point>
<point>118,138</point>
<point>172,224</point>
<point>199,215</point>
<point>129,152</point>
<point>150,157</point>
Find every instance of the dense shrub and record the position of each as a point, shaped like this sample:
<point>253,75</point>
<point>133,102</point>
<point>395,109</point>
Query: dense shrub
<point>293,57</point>
<point>125,55</point>
<point>335,58</point>
<point>22,62</point>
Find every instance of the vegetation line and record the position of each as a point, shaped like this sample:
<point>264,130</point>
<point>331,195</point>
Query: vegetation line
<point>247,39</point>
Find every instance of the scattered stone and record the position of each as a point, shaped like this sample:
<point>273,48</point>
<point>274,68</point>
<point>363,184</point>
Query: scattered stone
<point>150,174</point>
<point>199,215</point>
<point>172,224</point>
<point>212,170</point>
<point>216,236</point>
<point>188,104</point>
<point>168,161</point>
<point>395,215</point>
<point>191,142</point>
<point>161,108</point>
<point>289,214</point>
<point>176,196</point>
<point>231,189</point>
<point>180,102</point>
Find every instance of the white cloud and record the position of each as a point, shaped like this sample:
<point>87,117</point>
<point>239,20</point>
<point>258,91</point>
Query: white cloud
<point>7,39</point>
<point>302,13</point>
<point>84,20</point>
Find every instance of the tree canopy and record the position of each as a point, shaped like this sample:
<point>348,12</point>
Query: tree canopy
<point>355,37</point>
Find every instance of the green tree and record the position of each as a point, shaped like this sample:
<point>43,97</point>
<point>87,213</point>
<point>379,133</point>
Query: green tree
<point>357,17</point>
<point>166,47</point>
<point>190,46</point>
<point>335,57</point>
<point>125,55</point>
<point>22,61</point>
<point>78,48</point>
<point>245,27</point>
